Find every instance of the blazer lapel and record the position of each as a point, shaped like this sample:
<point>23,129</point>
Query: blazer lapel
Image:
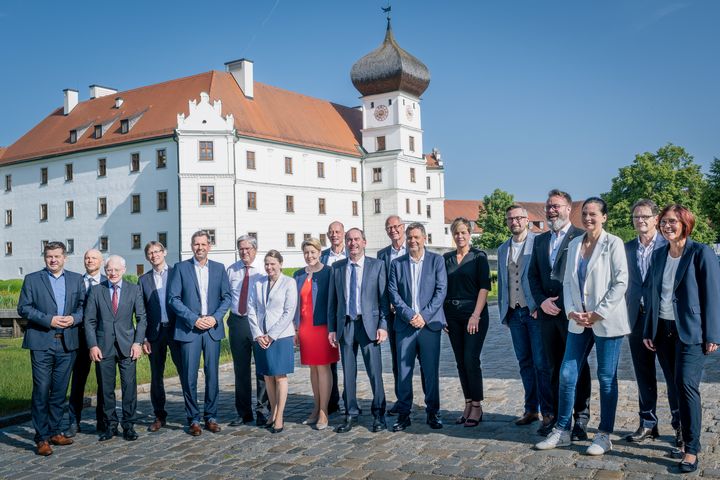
<point>685,260</point>
<point>632,259</point>
<point>46,282</point>
<point>194,276</point>
<point>659,269</point>
<point>106,293</point>
<point>408,277</point>
<point>600,248</point>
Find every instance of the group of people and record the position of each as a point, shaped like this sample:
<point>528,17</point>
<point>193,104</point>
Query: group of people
<point>559,292</point>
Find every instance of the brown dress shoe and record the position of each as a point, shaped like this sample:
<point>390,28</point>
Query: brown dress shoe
<point>60,439</point>
<point>212,426</point>
<point>44,448</point>
<point>195,430</point>
<point>528,418</point>
<point>156,425</point>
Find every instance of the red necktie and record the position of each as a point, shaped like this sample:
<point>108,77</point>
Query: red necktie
<point>115,299</point>
<point>242,304</point>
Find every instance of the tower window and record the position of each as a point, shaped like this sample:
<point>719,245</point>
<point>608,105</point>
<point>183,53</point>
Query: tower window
<point>380,143</point>
<point>376,201</point>
<point>377,175</point>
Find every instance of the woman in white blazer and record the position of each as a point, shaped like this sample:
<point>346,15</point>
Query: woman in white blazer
<point>271,311</point>
<point>596,277</point>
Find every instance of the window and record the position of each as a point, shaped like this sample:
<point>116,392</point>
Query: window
<point>8,248</point>
<point>429,238</point>
<point>427,182</point>
<point>98,131</point>
<point>250,160</point>
<point>380,143</point>
<point>288,165</point>
<point>321,206</point>
<point>102,206</point>
<point>412,143</point>
<point>69,209</point>
<point>377,175</point>
<point>321,169</point>
<point>135,203</point>
<point>162,201</point>
<point>428,211</point>
<point>252,200</point>
<point>389,101</point>
<point>43,212</point>
<point>290,241</point>
<point>377,205</point>
<point>43,176</point>
<point>162,238</point>
<point>8,218</point>
<point>102,167</point>
<point>289,203</point>
<point>8,183</point>
<point>135,241</point>
<point>103,244</point>
<point>70,246</point>
<point>161,158</point>
<point>134,162</point>
<point>419,207</point>
<point>412,175</point>
<point>407,205</point>
<point>211,234</point>
<point>73,136</point>
<point>207,195</point>
<point>323,239</point>
<point>206,151</point>
<point>68,172</point>
<point>124,126</point>
<point>447,231</point>
<point>307,236</point>
<point>353,174</point>
<point>43,244</point>
<point>139,269</point>
<point>354,208</point>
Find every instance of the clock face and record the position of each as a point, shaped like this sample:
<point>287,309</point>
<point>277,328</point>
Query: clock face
<point>381,113</point>
<point>409,112</point>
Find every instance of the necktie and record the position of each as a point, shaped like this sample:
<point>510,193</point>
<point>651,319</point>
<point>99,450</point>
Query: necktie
<point>242,304</point>
<point>115,299</point>
<point>352,308</point>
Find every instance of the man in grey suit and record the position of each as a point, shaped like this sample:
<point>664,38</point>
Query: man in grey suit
<point>516,303</point>
<point>114,340</point>
<point>357,312</point>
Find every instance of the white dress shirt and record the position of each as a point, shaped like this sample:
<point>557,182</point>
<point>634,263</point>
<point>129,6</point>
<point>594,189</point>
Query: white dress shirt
<point>416,274</point>
<point>556,238</point>
<point>335,257</point>
<point>203,278</point>
<point>516,249</point>
<point>160,279</point>
<point>236,275</point>
<point>359,272</point>
<point>397,253</point>
<point>95,280</point>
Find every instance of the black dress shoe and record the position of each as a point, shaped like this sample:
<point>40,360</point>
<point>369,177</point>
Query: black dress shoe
<point>261,419</point>
<point>108,434</point>
<point>579,432</point>
<point>241,421</point>
<point>347,426</point>
<point>434,421</point>
<point>687,467</point>
<point>402,423</point>
<point>130,434</point>
<point>379,423</point>
<point>393,411</point>
<point>72,430</point>
<point>642,434</point>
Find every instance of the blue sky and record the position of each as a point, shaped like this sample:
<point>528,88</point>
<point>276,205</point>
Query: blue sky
<point>526,95</point>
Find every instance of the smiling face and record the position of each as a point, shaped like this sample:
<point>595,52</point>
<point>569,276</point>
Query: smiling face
<point>156,256</point>
<point>92,261</point>
<point>272,267</point>
<point>415,242</point>
<point>114,270</point>
<point>311,255</point>
<point>644,221</point>
<point>336,234</point>
<point>355,244</point>
<point>247,252</point>
<point>671,228</point>
<point>55,260</point>
<point>557,212</point>
<point>517,220</point>
<point>200,247</point>
<point>461,235</point>
<point>592,217</point>
<point>395,229</point>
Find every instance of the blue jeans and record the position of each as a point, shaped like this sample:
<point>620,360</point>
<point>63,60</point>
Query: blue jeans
<point>577,350</point>
<point>534,370</point>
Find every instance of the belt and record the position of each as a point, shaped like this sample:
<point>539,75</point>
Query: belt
<point>356,319</point>
<point>456,303</point>
<point>517,307</point>
<point>59,335</point>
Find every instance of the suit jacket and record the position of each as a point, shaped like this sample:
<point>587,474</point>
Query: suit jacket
<point>636,285</point>
<point>606,280</point>
<point>152,305</point>
<point>433,288</point>
<point>374,303</point>
<point>524,260</point>
<point>546,281</point>
<point>384,255</point>
<point>696,299</point>
<point>325,254</point>
<point>103,327</point>
<point>184,299</point>
<point>37,306</point>
<point>272,314</point>
<point>320,286</point>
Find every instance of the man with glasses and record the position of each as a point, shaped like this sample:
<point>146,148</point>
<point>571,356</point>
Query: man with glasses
<point>515,302</point>
<point>639,255</point>
<point>547,270</point>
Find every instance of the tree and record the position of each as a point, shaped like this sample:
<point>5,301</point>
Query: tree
<point>667,176</point>
<point>491,219</point>
<point>711,199</point>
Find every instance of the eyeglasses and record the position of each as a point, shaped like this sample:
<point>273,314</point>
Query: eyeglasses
<point>515,219</point>
<point>644,218</point>
<point>390,228</point>
<point>554,206</point>
<point>670,221</point>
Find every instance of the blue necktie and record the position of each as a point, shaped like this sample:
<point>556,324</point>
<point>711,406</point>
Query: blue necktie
<point>352,309</point>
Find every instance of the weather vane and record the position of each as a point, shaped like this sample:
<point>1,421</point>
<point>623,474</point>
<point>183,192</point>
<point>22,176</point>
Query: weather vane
<point>387,10</point>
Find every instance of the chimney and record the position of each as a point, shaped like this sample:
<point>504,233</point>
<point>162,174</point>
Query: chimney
<point>242,71</point>
<point>71,100</point>
<point>118,102</point>
<point>96,91</point>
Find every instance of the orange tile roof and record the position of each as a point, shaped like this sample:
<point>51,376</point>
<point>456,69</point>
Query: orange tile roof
<point>431,161</point>
<point>273,114</point>
<point>2,151</point>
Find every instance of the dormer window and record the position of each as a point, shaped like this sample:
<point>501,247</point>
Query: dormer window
<point>124,126</point>
<point>98,131</point>
<point>73,136</point>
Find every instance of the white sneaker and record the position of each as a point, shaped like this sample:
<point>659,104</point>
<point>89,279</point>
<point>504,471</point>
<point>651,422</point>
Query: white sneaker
<point>600,445</point>
<point>557,438</point>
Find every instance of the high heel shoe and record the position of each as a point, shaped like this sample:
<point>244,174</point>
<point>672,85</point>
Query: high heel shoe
<point>474,422</point>
<point>276,430</point>
<point>310,420</point>
<point>463,418</point>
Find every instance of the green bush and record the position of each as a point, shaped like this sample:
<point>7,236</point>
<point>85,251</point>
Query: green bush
<point>14,285</point>
<point>129,277</point>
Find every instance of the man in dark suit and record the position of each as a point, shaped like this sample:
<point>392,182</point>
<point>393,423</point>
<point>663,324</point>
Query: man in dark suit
<point>357,311</point>
<point>51,301</point>
<point>160,328</point>
<point>116,343</point>
<point>199,295</point>
<point>639,255</point>
<point>93,261</point>
<point>417,288</point>
<point>547,270</point>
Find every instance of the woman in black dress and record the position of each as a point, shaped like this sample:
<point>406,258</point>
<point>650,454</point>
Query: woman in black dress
<point>467,315</point>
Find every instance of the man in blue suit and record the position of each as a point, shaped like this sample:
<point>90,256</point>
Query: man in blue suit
<point>160,328</point>
<point>51,300</point>
<point>357,311</point>
<point>417,287</point>
<point>639,252</point>
<point>199,296</point>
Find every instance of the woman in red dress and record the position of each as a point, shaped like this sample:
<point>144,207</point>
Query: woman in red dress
<point>312,331</point>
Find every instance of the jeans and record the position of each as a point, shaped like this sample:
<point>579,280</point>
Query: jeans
<point>534,370</point>
<point>576,352</point>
